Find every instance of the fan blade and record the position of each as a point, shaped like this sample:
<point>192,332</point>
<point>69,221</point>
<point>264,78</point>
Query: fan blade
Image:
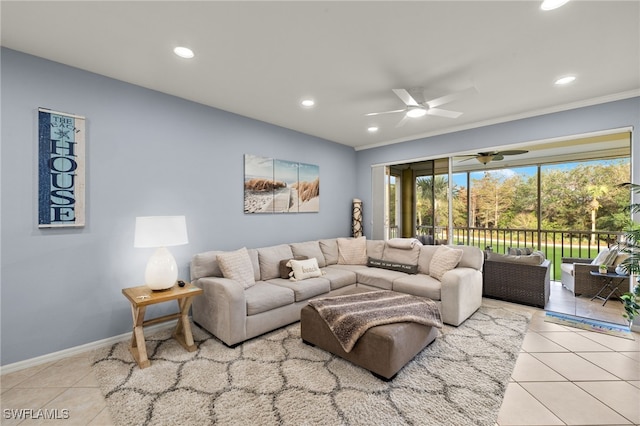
<point>401,122</point>
<point>451,97</point>
<point>498,157</point>
<point>467,159</point>
<point>443,113</point>
<point>513,152</point>
<point>405,97</point>
<point>385,112</point>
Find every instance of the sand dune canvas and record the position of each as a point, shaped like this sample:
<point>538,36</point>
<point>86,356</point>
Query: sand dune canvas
<point>280,186</point>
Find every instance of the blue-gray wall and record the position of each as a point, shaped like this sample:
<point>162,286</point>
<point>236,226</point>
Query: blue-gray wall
<point>153,154</point>
<point>602,117</point>
<point>147,153</point>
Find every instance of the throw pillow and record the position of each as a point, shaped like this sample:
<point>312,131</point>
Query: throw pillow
<point>285,270</point>
<point>352,251</point>
<point>444,259</point>
<point>600,257</point>
<point>236,265</point>
<point>303,269</point>
<point>393,266</point>
<point>611,257</point>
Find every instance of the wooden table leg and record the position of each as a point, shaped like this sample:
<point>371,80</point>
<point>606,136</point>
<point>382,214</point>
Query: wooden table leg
<point>138,346</point>
<point>183,330</point>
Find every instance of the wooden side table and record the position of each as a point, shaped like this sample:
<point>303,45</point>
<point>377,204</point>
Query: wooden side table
<point>141,297</point>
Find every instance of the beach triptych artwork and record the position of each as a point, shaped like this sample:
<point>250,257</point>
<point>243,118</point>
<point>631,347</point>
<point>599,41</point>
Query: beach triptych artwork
<point>280,186</point>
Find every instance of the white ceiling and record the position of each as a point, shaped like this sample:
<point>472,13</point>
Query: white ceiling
<point>259,59</point>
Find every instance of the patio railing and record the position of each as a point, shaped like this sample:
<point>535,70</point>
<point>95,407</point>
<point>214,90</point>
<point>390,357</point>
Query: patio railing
<point>555,244</point>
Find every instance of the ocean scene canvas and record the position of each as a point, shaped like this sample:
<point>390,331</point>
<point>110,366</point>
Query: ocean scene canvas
<point>280,186</point>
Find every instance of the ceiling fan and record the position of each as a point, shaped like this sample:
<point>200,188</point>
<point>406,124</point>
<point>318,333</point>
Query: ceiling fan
<point>416,109</point>
<point>486,157</point>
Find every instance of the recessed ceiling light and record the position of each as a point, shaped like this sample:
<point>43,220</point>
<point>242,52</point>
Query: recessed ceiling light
<point>565,80</point>
<point>552,4</point>
<point>416,112</point>
<point>372,129</point>
<point>307,103</point>
<point>184,52</point>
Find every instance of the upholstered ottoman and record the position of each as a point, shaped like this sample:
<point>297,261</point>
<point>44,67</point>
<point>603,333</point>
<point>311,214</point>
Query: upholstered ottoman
<point>383,349</point>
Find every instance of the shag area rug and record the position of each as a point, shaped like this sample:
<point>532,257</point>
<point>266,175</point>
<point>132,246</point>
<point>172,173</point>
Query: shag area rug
<point>275,379</point>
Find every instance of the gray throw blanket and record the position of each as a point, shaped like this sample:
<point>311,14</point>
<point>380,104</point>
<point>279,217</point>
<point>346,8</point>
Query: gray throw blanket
<point>350,316</point>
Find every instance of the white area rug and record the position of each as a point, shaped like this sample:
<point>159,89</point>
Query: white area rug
<point>275,379</point>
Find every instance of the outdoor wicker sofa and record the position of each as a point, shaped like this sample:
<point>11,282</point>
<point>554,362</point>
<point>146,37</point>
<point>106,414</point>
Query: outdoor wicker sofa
<point>580,276</point>
<point>517,279</point>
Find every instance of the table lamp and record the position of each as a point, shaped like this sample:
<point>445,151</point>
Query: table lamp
<point>161,232</point>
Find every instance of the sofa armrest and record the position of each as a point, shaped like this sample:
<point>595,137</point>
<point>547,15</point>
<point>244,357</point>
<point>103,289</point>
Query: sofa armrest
<point>461,294</point>
<point>222,309</point>
<point>576,260</point>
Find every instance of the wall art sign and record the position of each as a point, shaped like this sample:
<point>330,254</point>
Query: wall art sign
<point>280,186</point>
<point>61,169</point>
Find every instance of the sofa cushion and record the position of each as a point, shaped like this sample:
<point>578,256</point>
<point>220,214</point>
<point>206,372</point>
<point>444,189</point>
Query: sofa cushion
<point>263,297</point>
<point>424,259</point>
<point>205,265</point>
<point>408,256</point>
<point>310,249</point>
<point>444,259</point>
<point>304,269</point>
<point>270,257</point>
<point>236,265</point>
<point>567,267</point>
<point>329,249</point>
<point>380,278</point>
<point>339,277</point>
<point>419,285</point>
<point>352,251</point>
<point>306,289</point>
<point>375,248</point>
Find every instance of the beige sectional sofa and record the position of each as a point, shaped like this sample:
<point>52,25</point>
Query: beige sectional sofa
<point>259,298</point>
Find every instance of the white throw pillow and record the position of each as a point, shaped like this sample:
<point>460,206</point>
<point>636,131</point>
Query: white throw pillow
<point>444,259</point>
<point>303,269</point>
<point>236,265</point>
<point>600,258</point>
<point>352,251</point>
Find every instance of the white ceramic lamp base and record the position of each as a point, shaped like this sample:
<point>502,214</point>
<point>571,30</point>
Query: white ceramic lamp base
<point>162,270</point>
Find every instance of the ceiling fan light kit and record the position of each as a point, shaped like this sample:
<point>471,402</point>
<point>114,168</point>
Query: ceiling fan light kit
<point>415,109</point>
<point>487,157</point>
<point>415,112</point>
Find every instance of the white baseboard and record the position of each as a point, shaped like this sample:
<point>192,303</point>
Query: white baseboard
<point>77,350</point>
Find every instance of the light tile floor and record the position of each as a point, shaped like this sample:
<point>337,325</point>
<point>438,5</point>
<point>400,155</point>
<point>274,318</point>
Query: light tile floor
<point>563,376</point>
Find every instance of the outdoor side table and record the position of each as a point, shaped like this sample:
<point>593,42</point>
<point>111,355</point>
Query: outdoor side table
<point>141,297</point>
<point>611,283</point>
